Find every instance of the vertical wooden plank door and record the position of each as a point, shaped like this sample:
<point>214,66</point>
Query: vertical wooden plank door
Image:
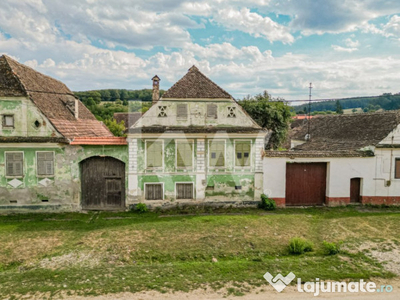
<point>305,184</point>
<point>355,186</point>
<point>103,183</point>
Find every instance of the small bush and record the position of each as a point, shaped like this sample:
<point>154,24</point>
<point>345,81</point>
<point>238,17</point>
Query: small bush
<point>267,203</point>
<point>299,246</point>
<point>141,208</point>
<point>331,248</point>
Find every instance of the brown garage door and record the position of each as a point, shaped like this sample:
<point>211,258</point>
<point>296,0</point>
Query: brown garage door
<point>305,183</point>
<point>103,183</point>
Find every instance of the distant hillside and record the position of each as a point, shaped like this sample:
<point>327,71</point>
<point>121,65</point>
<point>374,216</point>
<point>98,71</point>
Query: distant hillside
<point>116,94</point>
<point>385,101</point>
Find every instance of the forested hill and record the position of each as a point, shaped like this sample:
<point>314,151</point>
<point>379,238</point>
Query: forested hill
<point>386,101</point>
<point>115,94</point>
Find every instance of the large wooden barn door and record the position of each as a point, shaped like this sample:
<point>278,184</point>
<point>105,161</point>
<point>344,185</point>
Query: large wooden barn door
<point>305,183</point>
<point>103,183</point>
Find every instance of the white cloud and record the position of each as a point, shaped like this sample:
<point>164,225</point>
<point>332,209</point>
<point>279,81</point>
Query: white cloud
<point>253,23</point>
<point>352,44</point>
<point>392,28</point>
<point>343,49</point>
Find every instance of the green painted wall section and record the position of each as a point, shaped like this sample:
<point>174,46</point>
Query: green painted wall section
<point>66,184</point>
<point>25,116</point>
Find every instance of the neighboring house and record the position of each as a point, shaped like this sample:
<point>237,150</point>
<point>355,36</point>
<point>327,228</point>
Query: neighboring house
<point>194,145</point>
<point>341,159</point>
<point>129,118</point>
<point>53,151</point>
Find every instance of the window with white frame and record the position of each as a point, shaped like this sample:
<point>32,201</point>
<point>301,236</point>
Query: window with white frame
<point>184,154</point>
<point>184,190</point>
<point>242,154</point>
<point>154,191</point>
<point>217,154</point>
<point>8,121</point>
<point>14,163</point>
<point>154,154</point>
<point>45,163</point>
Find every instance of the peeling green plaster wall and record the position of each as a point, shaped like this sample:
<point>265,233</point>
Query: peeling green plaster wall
<point>66,186</point>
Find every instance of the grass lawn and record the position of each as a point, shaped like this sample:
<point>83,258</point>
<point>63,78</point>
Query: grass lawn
<point>97,253</point>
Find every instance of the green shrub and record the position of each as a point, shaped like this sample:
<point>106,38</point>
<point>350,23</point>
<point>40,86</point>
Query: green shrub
<point>267,203</point>
<point>141,208</point>
<point>331,248</point>
<point>299,246</point>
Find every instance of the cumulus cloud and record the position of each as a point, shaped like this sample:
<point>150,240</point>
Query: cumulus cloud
<point>253,23</point>
<point>343,49</point>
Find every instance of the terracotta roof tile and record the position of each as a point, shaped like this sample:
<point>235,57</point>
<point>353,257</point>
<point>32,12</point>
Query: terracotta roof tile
<point>99,141</point>
<point>195,85</point>
<point>51,97</point>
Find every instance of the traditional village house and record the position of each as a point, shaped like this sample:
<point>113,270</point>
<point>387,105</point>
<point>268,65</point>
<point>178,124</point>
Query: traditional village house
<point>195,145</point>
<point>53,152</point>
<point>347,159</point>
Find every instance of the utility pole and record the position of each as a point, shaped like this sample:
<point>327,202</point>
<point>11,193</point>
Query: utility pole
<point>309,113</point>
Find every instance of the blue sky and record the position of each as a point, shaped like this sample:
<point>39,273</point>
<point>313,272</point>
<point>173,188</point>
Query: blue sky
<point>345,48</point>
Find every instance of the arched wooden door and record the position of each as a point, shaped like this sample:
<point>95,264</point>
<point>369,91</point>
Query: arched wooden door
<point>103,183</point>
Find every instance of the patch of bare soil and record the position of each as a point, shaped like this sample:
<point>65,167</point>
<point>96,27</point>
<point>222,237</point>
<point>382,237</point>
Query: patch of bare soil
<point>69,260</point>
<point>261,293</point>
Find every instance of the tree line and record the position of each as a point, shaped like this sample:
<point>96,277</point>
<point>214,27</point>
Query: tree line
<point>386,101</point>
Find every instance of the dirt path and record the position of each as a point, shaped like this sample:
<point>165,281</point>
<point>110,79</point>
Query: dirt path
<point>261,293</point>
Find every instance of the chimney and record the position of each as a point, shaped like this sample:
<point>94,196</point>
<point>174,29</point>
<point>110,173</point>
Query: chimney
<point>156,89</point>
<point>73,106</point>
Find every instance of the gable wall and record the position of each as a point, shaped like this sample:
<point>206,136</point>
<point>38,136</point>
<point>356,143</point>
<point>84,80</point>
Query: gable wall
<point>197,111</point>
<point>25,114</point>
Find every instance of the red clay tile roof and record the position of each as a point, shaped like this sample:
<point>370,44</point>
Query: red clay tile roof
<point>50,96</point>
<point>195,85</point>
<point>99,141</point>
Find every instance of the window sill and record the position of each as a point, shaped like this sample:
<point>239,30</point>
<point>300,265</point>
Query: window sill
<point>45,176</point>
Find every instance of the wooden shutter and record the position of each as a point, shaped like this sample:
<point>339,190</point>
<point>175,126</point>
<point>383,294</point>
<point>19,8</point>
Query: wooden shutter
<point>217,154</point>
<point>154,154</point>
<point>242,153</point>
<point>397,168</point>
<point>45,163</point>
<point>153,191</point>
<point>181,111</point>
<point>14,164</point>
<point>184,191</point>
<point>212,111</point>
<point>184,155</point>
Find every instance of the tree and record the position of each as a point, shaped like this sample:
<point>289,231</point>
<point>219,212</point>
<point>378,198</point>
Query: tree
<point>114,95</point>
<point>116,128</point>
<point>339,109</point>
<point>269,113</point>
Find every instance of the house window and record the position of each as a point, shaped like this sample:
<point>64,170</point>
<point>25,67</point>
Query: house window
<point>8,121</point>
<point>181,111</point>
<point>153,191</point>
<point>184,154</point>
<point>217,154</point>
<point>184,191</point>
<point>231,112</point>
<point>212,111</point>
<point>242,154</point>
<point>45,163</point>
<point>154,154</point>
<point>14,163</point>
<point>162,111</point>
<point>397,168</point>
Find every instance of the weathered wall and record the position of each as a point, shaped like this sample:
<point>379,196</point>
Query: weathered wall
<point>196,115</point>
<point>25,115</point>
<point>210,183</point>
<point>62,190</point>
